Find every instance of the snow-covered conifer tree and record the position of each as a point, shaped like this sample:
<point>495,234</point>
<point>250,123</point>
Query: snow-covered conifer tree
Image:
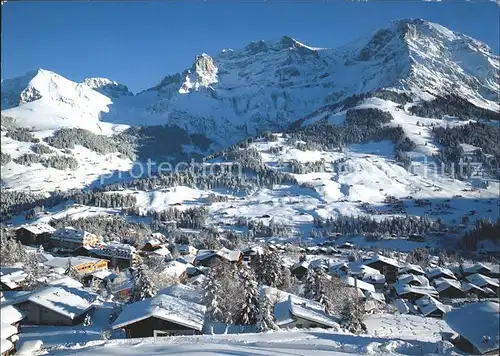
<point>211,295</point>
<point>143,287</point>
<point>250,305</point>
<point>265,319</point>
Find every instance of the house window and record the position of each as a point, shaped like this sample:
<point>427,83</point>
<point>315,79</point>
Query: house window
<point>300,325</point>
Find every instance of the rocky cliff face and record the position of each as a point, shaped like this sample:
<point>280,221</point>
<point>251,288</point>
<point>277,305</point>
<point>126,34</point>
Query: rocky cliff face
<point>269,84</point>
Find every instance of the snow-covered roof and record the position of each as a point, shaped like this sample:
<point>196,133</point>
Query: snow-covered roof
<point>7,330</point>
<point>405,307</point>
<point>442,284</point>
<point>411,268</point>
<point>165,307</point>
<point>384,259</point>
<point>65,281</point>
<point>478,323</point>
<point>12,276</point>
<point>66,301</point>
<point>62,262</point>
<point>38,229</point>
<point>70,233</point>
<point>300,264</point>
<point>475,268</point>
<point>351,281</point>
<point>402,289</point>
<point>436,271</point>
<point>378,296</point>
<point>361,269</point>
<point>467,286</point>
<point>428,305</point>
<point>175,269</point>
<point>374,278</point>
<point>10,314</point>
<point>232,256</point>
<point>309,310</point>
<point>115,249</point>
<point>102,274</point>
<point>182,291</point>
<point>163,251</point>
<point>408,278</point>
<point>5,345</point>
<point>186,249</point>
<point>482,281</point>
<point>204,254</point>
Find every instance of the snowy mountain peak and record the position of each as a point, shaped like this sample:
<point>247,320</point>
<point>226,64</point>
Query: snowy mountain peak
<point>107,87</point>
<point>46,100</point>
<point>202,74</point>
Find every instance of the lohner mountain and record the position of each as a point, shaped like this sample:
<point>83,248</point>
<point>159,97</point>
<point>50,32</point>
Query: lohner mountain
<point>401,121</point>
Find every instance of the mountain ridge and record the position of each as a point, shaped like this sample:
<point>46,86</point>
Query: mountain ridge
<point>267,85</point>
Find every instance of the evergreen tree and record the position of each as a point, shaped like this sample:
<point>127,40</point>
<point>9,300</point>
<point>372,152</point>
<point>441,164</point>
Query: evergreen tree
<point>71,272</point>
<point>323,292</point>
<point>310,285</point>
<point>265,319</point>
<point>211,296</point>
<point>143,287</point>
<point>250,307</point>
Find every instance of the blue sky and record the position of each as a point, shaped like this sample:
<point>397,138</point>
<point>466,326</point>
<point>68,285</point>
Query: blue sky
<point>139,43</point>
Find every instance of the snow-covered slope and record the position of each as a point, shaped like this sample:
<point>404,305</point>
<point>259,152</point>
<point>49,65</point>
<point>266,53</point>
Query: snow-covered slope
<point>44,100</point>
<point>269,84</point>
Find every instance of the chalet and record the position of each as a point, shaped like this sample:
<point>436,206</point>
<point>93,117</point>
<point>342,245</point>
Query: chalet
<point>405,307</point>
<point>120,286</point>
<point>411,269</point>
<point>36,234</point>
<point>432,307</point>
<point>347,246</point>
<point>208,258</point>
<point>484,282</point>
<point>449,288</point>
<point>487,270</point>
<point>69,238</point>
<point>477,327</point>
<point>413,293</point>
<point>299,269</point>
<point>186,250</point>
<point>296,312</point>
<point>319,264</point>
<point>12,278</point>
<point>340,269</point>
<point>82,265</point>
<point>151,245</point>
<point>162,315</point>
<point>473,290</point>
<point>413,280</point>
<point>385,265</point>
<point>250,253</point>
<point>439,272</point>
<point>56,305</point>
<point>176,270</point>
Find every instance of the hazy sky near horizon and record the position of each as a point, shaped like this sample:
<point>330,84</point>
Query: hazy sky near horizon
<point>138,43</point>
